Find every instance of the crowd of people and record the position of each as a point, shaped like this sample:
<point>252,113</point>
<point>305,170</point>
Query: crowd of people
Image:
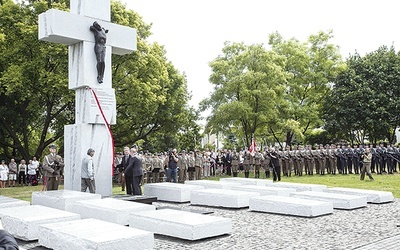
<point>14,174</point>
<point>275,162</point>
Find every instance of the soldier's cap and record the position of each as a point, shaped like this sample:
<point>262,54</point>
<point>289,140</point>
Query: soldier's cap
<point>90,150</point>
<point>52,146</point>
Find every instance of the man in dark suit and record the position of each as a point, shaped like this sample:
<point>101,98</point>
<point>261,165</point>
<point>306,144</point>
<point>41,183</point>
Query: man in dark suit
<point>134,173</point>
<point>122,166</point>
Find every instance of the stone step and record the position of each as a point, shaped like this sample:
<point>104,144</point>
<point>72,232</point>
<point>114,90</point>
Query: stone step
<point>300,186</point>
<point>174,192</point>
<point>373,196</point>
<point>181,224</point>
<point>247,181</point>
<point>222,198</point>
<point>214,184</point>
<point>61,199</point>
<point>23,221</point>
<point>6,202</point>
<point>290,206</point>
<point>93,234</point>
<point>109,209</point>
<point>340,201</point>
<point>265,190</point>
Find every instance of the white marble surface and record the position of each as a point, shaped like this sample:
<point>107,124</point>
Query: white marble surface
<point>265,190</point>
<point>213,184</point>
<point>339,201</point>
<point>78,138</point>
<point>109,209</point>
<point>373,196</point>
<point>174,192</point>
<point>61,199</point>
<point>23,222</point>
<point>222,198</point>
<point>181,224</point>
<point>290,206</point>
<point>300,186</point>
<point>6,202</point>
<point>93,234</point>
<point>247,181</point>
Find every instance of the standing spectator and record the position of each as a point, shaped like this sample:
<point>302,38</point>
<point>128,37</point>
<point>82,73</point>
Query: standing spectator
<point>276,168</point>
<point>87,174</point>
<point>52,166</point>
<point>13,170</point>
<point>32,172</point>
<point>36,163</point>
<point>198,164</point>
<point>3,174</point>
<point>134,173</point>
<point>228,162</point>
<point>172,166</point>
<point>182,165</point>
<point>22,169</point>
<point>191,168</point>
<point>366,167</point>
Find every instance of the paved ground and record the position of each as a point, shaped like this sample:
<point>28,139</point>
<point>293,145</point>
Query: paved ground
<point>372,227</point>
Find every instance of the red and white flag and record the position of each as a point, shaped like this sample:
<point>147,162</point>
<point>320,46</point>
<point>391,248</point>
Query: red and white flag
<point>253,145</point>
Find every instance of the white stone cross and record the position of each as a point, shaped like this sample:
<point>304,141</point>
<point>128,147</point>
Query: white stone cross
<point>90,130</point>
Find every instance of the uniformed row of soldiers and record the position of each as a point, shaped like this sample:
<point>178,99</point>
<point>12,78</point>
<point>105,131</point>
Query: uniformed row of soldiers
<point>190,166</point>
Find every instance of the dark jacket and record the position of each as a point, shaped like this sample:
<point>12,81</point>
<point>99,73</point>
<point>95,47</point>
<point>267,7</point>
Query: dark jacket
<point>134,167</point>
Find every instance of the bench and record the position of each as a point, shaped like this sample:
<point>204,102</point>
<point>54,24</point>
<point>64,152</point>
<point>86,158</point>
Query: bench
<point>222,198</point>
<point>109,209</point>
<point>181,224</point>
<point>340,201</point>
<point>93,234</point>
<point>174,192</point>
<point>290,206</point>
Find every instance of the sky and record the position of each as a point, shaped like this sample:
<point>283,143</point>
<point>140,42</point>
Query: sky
<point>193,32</point>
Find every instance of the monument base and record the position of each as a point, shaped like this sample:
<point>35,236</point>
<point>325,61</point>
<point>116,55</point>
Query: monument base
<point>78,139</point>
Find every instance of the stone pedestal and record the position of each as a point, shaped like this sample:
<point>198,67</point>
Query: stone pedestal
<point>6,202</point>
<point>61,199</point>
<point>78,138</point>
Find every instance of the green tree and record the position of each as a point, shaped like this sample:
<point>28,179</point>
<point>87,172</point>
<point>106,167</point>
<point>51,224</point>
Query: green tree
<point>248,87</point>
<point>364,102</point>
<point>312,66</point>
<point>33,78</point>
<point>36,103</point>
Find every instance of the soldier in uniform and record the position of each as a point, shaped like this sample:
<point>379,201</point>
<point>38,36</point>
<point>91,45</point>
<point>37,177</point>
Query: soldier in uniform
<point>276,169</point>
<point>235,163</point>
<point>367,157</point>
<point>343,160</point>
<point>191,168</point>
<point>182,164</point>
<point>258,158</point>
<point>308,160</point>
<point>52,166</point>
<point>331,159</point>
<point>299,161</point>
<point>390,158</point>
<point>381,151</point>
<point>246,163</point>
<point>267,163</point>
<point>157,166</point>
<point>198,164</point>
<point>147,163</point>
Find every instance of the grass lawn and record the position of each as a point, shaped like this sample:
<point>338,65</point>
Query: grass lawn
<point>382,182</point>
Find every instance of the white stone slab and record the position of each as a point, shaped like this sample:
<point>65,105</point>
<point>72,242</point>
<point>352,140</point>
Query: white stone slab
<point>61,199</point>
<point>109,209</point>
<point>373,196</point>
<point>181,224</point>
<point>265,190</point>
<point>174,192</point>
<point>222,198</point>
<point>23,222</point>
<point>6,202</point>
<point>93,234</point>
<point>300,186</point>
<point>213,184</point>
<point>340,201</point>
<point>247,181</point>
<point>290,206</point>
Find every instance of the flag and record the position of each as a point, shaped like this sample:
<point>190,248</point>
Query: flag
<point>253,145</point>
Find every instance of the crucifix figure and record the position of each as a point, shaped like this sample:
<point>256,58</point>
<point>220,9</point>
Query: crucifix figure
<point>100,39</point>
<point>89,74</point>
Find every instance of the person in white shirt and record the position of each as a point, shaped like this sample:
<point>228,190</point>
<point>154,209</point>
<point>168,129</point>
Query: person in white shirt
<point>3,174</point>
<point>87,176</point>
<point>31,171</point>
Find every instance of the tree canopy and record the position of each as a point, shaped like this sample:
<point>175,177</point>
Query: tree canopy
<point>151,94</point>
